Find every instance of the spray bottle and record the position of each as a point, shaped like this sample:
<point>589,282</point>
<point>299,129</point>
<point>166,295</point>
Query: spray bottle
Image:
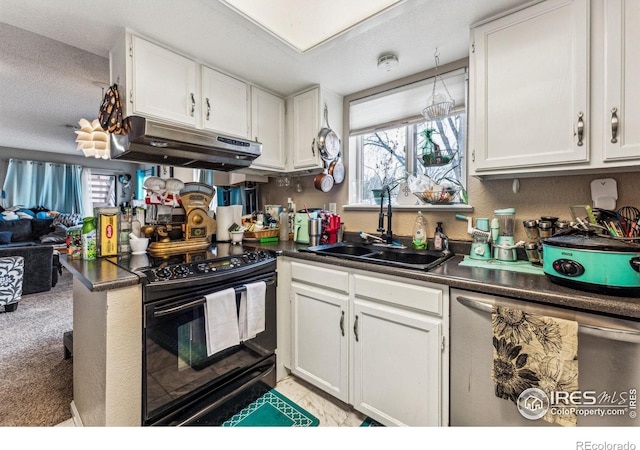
<point>438,238</point>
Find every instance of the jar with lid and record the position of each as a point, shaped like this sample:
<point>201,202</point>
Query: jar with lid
<point>533,255</point>
<point>531,228</point>
<point>545,229</point>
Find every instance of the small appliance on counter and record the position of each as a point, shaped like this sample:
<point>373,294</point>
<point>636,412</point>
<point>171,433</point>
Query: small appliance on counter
<point>502,234</point>
<point>597,263</point>
<point>301,224</point>
<point>197,227</point>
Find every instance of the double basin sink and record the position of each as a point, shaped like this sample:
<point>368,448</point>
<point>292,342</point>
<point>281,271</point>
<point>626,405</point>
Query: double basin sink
<point>379,254</point>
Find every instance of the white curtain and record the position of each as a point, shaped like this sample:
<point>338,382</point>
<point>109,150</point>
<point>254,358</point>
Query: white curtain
<point>87,199</point>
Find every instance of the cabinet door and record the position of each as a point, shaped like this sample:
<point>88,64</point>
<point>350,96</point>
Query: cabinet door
<point>529,88</point>
<point>320,338</point>
<point>224,103</point>
<point>267,127</point>
<point>306,126</point>
<point>397,364</point>
<point>622,71</point>
<point>164,83</point>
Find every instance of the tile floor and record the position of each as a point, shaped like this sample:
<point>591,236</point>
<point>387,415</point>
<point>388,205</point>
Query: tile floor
<point>330,411</point>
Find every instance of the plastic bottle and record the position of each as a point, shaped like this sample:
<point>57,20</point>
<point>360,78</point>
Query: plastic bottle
<point>419,233</point>
<point>89,250</point>
<point>438,238</point>
<point>284,225</point>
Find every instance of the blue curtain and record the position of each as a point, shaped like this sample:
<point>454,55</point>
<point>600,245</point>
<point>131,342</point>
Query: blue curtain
<point>57,187</point>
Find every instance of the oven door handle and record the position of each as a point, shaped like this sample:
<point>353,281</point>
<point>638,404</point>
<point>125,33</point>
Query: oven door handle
<point>163,311</point>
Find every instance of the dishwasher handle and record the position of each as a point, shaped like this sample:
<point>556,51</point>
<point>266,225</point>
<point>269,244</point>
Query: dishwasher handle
<point>609,333</point>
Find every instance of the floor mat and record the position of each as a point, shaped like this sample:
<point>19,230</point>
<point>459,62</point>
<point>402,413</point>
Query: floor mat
<point>272,410</point>
<point>369,422</point>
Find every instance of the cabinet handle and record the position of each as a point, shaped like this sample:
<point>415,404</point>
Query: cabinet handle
<point>313,147</point>
<point>342,323</point>
<point>614,125</point>
<point>208,108</point>
<point>580,128</point>
<point>193,104</point>
<point>355,328</point>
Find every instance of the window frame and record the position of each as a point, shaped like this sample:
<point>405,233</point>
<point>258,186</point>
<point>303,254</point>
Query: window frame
<point>351,143</point>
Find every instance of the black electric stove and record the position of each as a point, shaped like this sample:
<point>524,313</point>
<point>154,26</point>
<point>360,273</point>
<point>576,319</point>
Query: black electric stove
<point>198,269</point>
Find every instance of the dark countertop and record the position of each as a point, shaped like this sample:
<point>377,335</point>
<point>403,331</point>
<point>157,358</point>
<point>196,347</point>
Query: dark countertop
<point>102,275</point>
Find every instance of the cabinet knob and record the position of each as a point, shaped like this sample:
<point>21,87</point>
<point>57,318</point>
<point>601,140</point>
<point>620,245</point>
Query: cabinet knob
<point>614,125</point>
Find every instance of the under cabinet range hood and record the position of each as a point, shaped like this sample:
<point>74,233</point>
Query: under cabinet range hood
<point>156,142</point>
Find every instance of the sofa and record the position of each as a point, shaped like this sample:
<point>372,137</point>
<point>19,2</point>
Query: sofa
<point>34,239</point>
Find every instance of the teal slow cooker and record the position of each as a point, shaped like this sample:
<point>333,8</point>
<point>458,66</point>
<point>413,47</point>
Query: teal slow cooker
<point>593,263</point>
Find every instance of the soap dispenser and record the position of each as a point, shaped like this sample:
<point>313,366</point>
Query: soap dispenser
<point>438,238</point>
<point>419,233</point>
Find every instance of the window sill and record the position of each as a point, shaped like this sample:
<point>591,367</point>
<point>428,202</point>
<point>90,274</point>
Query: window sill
<point>437,208</point>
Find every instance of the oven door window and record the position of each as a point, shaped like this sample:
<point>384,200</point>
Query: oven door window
<point>177,366</point>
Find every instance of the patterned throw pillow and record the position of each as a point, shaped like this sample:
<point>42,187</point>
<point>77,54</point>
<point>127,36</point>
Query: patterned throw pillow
<point>68,220</point>
<point>11,275</point>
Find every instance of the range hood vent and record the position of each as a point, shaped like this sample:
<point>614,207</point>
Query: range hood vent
<point>156,142</point>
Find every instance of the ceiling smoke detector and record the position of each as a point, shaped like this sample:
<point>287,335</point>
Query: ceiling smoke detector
<point>387,61</point>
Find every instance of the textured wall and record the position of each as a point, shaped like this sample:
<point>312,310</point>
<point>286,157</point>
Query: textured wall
<point>537,197</point>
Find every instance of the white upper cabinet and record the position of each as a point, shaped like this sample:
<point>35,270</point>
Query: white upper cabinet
<point>621,108</point>
<point>267,127</point>
<point>163,83</point>
<point>306,121</point>
<point>224,103</point>
<point>529,88</point>
<point>553,90</point>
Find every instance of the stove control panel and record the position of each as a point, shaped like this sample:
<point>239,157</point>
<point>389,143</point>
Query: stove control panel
<point>206,267</point>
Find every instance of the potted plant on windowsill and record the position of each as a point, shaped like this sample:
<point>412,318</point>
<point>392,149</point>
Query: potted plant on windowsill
<point>386,176</point>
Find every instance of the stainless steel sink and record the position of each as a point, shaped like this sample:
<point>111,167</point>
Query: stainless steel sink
<point>390,256</point>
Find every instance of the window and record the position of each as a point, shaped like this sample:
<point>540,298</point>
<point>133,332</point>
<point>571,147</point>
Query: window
<point>103,190</point>
<point>432,149</point>
<point>393,143</point>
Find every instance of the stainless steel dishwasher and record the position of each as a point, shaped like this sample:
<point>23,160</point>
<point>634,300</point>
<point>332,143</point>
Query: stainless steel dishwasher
<point>608,359</point>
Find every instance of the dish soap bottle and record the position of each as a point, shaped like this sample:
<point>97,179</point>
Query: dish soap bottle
<point>419,233</point>
<point>438,238</point>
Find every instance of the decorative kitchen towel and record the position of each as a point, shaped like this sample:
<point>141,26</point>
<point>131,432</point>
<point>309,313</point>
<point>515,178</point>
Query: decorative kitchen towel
<point>251,316</point>
<point>533,351</point>
<point>221,321</point>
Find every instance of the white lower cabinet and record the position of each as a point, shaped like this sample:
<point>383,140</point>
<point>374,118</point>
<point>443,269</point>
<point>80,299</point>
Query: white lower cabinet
<point>378,343</point>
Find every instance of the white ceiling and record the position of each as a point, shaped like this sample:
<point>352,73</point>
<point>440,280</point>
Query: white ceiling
<point>47,83</point>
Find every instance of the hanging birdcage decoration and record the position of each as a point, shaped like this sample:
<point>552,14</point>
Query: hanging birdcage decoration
<point>439,104</point>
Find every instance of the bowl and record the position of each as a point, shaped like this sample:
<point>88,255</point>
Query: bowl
<point>139,245</point>
<point>439,196</point>
<point>236,237</point>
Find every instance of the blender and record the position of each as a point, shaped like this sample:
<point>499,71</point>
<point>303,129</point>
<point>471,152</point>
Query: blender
<point>504,246</point>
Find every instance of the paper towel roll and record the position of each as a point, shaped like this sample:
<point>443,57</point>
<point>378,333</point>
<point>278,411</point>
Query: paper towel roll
<point>224,219</point>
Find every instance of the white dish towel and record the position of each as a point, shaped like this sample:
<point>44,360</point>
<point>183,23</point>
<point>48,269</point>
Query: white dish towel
<point>221,321</point>
<point>251,320</point>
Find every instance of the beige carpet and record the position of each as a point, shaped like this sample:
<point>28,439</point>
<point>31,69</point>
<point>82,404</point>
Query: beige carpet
<point>35,380</point>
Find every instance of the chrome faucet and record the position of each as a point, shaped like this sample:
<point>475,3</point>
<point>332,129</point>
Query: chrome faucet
<point>387,235</point>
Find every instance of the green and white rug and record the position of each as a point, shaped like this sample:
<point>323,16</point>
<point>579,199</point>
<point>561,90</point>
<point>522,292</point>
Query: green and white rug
<point>272,410</point>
